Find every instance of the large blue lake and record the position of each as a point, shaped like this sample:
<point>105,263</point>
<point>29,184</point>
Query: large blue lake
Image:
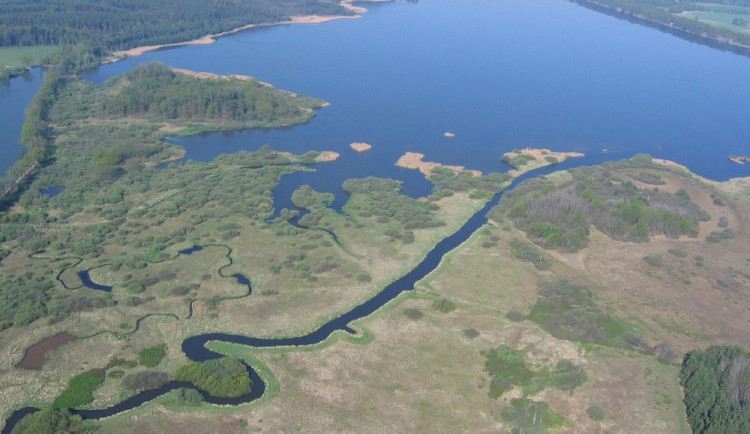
<point>500,74</point>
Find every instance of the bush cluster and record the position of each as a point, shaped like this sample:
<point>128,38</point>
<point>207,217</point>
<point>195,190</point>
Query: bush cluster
<point>226,377</point>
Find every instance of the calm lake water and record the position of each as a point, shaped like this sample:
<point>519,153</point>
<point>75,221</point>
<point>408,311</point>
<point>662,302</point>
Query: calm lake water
<point>500,74</point>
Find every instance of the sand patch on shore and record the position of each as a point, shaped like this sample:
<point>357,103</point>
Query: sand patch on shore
<point>415,160</point>
<point>210,39</point>
<point>209,75</point>
<point>360,146</point>
<point>327,156</point>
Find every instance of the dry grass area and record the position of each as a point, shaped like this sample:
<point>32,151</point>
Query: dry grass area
<point>415,160</point>
<point>427,376</point>
<point>360,146</point>
<point>294,306</point>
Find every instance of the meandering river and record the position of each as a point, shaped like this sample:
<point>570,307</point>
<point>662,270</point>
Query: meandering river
<point>499,74</point>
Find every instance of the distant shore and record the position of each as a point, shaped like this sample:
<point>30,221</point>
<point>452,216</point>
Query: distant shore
<point>210,39</point>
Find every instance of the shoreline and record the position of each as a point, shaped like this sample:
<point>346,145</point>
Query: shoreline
<point>210,39</point>
<point>705,38</point>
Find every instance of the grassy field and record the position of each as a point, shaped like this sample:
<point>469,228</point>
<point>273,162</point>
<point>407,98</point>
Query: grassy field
<point>18,56</point>
<point>434,361</point>
<point>129,229</point>
<point>720,19</point>
<point>417,364</point>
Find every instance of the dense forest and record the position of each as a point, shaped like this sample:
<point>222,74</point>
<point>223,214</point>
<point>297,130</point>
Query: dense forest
<point>122,24</point>
<point>717,389</point>
<point>679,17</point>
<point>155,91</point>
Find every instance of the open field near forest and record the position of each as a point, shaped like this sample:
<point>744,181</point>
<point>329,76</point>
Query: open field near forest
<point>25,56</point>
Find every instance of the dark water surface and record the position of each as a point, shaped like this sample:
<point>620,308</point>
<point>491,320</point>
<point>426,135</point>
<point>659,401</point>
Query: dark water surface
<point>15,95</point>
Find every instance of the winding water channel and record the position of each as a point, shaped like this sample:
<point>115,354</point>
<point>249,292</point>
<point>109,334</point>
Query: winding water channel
<point>195,347</point>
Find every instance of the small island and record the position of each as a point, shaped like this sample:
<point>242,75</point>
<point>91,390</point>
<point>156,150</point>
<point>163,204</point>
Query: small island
<point>740,159</point>
<point>415,160</point>
<point>360,146</point>
<point>527,159</point>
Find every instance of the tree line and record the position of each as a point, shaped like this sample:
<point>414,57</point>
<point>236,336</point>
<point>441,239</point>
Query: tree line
<point>666,13</point>
<point>123,24</point>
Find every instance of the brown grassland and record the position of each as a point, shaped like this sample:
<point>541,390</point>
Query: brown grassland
<point>407,375</point>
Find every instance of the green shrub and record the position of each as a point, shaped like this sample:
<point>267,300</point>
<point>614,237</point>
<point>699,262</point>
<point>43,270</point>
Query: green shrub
<point>145,380</point>
<point>680,253</point>
<point>718,236</point>
<point>527,252</point>
<point>444,305</point>
<point>567,311</point>
<point>471,333</point>
<point>190,397</point>
<point>595,412</point>
<point>413,313</point>
<point>116,374</point>
<point>364,277</point>
<point>568,376</point>
<point>47,420</point>
<point>507,367</point>
<point>723,222</point>
<point>654,261</point>
<point>226,377</point>
<point>152,356</point>
<point>80,390</point>
<point>531,416</point>
<point>649,178</point>
<point>515,316</point>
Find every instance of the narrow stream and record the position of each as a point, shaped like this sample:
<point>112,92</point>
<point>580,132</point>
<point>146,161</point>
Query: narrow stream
<point>195,347</point>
